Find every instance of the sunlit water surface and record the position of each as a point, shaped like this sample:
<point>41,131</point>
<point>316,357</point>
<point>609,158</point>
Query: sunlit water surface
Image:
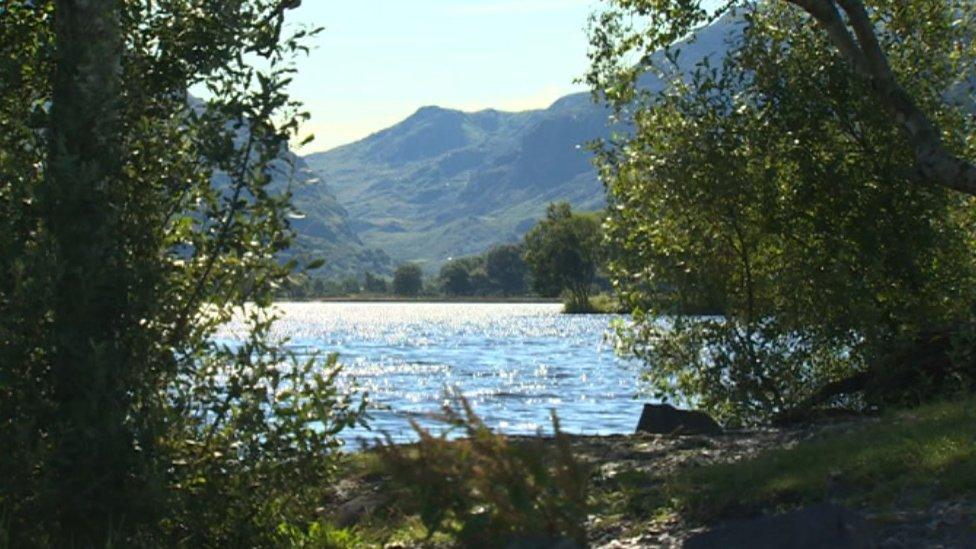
<point>514,362</point>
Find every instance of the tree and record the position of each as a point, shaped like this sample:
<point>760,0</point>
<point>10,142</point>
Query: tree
<point>480,283</point>
<point>350,285</point>
<point>777,180</point>
<point>856,29</point>
<point>91,365</point>
<point>318,287</point>
<point>506,269</point>
<point>455,279</point>
<point>408,280</point>
<point>561,252</point>
<point>374,284</point>
<point>853,34</point>
<point>136,221</point>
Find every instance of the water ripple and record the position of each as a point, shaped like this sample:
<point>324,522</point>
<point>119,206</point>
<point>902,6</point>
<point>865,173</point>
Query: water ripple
<point>515,362</point>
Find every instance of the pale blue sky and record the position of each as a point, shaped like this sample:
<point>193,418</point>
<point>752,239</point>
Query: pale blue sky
<point>380,60</point>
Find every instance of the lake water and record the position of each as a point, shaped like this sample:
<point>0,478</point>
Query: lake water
<point>514,362</point>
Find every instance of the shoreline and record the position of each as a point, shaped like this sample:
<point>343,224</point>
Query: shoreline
<point>647,490</point>
<point>431,299</point>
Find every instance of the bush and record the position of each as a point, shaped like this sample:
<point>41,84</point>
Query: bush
<point>253,443</point>
<point>572,306</point>
<point>602,303</point>
<point>487,490</point>
<point>318,535</point>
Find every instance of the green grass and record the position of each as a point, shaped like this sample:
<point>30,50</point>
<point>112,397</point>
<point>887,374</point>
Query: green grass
<point>926,453</point>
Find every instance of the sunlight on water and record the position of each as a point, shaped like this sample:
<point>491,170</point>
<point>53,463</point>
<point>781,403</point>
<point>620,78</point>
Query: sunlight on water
<point>514,362</point>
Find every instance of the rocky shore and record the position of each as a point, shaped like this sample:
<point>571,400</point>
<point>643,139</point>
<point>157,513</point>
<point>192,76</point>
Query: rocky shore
<point>628,469</point>
<point>941,523</point>
<point>629,475</point>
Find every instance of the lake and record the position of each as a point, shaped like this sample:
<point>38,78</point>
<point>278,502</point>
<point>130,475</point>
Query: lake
<point>514,362</point>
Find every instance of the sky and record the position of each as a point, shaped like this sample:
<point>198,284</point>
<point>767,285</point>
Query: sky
<point>378,61</point>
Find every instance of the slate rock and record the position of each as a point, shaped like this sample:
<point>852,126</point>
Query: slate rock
<point>824,526</point>
<point>351,512</point>
<point>664,419</point>
<point>542,543</point>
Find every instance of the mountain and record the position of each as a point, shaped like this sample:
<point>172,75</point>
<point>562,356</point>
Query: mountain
<point>445,183</point>
<point>324,230</point>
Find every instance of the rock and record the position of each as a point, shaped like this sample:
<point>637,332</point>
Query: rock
<point>542,543</point>
<point>664,419</point>
<point>353,511</point>
<point>824,526</point>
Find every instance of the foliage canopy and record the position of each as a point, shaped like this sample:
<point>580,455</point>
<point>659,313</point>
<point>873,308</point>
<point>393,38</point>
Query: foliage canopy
<point>408,280</point>
<point>135,223</point>
<point>562,253</point>
<point>773,182</point>
<point>506,269</point>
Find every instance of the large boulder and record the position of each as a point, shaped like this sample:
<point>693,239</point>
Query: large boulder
<point>823,526</point>
<point>664,419</point>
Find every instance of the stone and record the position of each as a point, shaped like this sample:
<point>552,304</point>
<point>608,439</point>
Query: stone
<point>824,526</point>
<point>353,511</point>
<point>664,419</point>
<point>542,543</point>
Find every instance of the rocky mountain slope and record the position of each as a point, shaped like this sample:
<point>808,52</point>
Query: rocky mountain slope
<point>445,183</point>
<point>324,230</point>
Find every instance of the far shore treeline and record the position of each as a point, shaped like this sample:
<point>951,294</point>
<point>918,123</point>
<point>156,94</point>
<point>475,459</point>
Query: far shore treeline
<point>565,256</point>
<point>561,257</point>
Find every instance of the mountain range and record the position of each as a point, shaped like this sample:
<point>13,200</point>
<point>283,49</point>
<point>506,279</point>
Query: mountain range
<point>445,183</point>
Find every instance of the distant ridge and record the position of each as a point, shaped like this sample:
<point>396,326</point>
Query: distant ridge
<point>445,183</point>
<point>324,230</point>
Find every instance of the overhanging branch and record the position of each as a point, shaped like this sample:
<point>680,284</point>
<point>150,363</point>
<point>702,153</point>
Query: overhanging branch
<point>934,163</point>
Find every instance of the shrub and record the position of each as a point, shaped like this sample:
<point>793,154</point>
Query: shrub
<point>486,489</point>
<point>253,442</point>
<point>572,306</point>
<point>318,535</point>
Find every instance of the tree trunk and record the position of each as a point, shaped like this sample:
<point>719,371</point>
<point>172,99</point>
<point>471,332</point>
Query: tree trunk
<point>854,36</point>
<point>918,370</point>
